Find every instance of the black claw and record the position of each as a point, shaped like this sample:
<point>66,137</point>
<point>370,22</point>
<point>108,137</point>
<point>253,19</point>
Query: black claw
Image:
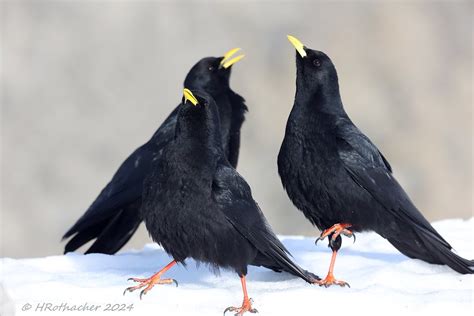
<point>228,309</point>
<point>253,310</point>
<point>129,279</point>
<point>318,239</point>
<point>343,284</point>
<point>142,293</point>
<point>353,235</point>
<point>175,282</point>
<point>128,289</point>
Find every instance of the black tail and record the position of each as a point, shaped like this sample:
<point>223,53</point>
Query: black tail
<point>424,245</point>
<point>111,233</point>
<point>263,261</point>
<point>275,256</point>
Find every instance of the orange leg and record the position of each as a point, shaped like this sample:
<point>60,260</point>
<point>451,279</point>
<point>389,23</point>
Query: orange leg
<point>330,279</point>
<point>246,304</point>
<point>334,231</point>
<point>151,281</point>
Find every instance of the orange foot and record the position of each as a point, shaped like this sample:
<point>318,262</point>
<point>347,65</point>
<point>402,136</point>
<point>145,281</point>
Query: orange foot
<point>148,284</point>
<point>331,280</point>
<point>151,281</point>
<point>246,307</point>
<point>336,230</point>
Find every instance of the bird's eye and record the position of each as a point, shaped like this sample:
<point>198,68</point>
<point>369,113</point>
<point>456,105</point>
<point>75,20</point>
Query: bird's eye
<point>316,62</point>
<point>210,68</point>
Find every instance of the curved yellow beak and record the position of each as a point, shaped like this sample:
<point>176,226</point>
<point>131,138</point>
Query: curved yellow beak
<point>227,61</point>
<point>189,96</point>
<point>297,44</point>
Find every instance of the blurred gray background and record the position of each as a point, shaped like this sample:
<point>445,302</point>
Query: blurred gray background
<point>85,83</point>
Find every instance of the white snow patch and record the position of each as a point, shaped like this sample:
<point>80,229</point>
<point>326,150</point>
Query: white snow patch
<point>383,282</point>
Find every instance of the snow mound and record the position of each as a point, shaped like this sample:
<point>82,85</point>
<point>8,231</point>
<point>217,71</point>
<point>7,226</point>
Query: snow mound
<point>382,280</point>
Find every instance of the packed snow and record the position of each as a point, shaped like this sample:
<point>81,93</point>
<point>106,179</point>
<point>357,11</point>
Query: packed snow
<point>382,282</point>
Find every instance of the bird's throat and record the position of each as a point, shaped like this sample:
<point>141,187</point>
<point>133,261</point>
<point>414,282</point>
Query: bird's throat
<point>318,99</point>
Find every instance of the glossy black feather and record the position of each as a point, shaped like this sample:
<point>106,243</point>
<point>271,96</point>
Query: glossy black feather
<point>335,174</point>
<point>114,216</point>
<point>196,205</point>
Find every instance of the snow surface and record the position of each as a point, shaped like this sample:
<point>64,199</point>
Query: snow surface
<point>383,282</point>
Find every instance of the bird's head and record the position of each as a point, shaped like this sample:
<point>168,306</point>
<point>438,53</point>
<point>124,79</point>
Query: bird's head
<point>195,100</point>
<point>212,74</point>
<point>198,117</point>
<point>314,69</point>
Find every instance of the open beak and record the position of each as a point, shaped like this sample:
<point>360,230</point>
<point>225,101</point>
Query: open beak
<point>189,96</point>
<point>227,61</point>
<point>298,45</point>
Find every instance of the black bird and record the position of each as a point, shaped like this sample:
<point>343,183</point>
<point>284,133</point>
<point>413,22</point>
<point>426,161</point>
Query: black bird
<point>113,217</point>
<point>340,180</point>
<point>196,205</point>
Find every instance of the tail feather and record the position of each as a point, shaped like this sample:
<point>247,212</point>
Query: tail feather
<point>83,237</point>
<point>117,233</point>
<point>263,261</point>
<point>88,222</point>
<point>448,257</point>
<point>279,259</point>
<point>111,233</point>
<point>423,246</point>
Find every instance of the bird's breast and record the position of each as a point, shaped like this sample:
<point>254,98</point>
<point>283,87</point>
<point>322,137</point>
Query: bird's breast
<point>309,169</point>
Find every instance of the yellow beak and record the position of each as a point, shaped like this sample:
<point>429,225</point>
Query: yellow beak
<point>298,45</point>
<point>189,96</point>
<point>227,61</point>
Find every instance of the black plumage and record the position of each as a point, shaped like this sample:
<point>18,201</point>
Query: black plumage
<point>196,205</point>
<point>113,217</point>
<point>336,175</point>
